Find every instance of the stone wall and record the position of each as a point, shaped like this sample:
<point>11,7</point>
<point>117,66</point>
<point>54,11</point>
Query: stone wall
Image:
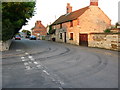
<point>103,40</point>
<point>50,37</point>
<point>47,37</point>
<point>5,45</point>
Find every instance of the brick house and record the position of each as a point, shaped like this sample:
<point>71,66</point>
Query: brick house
<point>74,26</point>
<point>39,30</point>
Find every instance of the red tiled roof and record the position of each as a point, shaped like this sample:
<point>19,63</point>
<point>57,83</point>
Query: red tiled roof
<point>70,16</point>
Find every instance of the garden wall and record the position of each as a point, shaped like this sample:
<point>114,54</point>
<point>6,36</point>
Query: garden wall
<point>104,40</point>
<point>5,45</point>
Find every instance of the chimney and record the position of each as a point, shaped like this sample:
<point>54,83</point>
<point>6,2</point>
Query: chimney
<point>69,8</point>
<point>93,2</point>
<point>37,23</point>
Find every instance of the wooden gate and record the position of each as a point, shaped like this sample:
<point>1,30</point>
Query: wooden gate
<point>83,39</point>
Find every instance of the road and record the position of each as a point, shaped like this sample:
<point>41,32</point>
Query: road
<point>46,64</point>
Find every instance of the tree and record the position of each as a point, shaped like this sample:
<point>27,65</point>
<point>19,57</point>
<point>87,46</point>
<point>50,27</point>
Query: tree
<point>27,32</point>
<point>14,16</point>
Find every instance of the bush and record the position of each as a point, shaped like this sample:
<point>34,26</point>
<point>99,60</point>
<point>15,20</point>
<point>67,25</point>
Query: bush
<point>107,31</point>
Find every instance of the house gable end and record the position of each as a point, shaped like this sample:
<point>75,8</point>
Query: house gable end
<point>104,14</point>
<point>94,20</point>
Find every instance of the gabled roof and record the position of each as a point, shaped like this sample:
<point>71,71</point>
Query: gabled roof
<point>70,16</point>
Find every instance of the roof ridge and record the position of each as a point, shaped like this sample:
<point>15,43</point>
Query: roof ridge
<point>78,10</point>
<point>71,16</point>
<point>81,8</point>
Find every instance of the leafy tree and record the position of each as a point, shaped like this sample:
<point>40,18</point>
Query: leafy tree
<point>14,16</point>
<point>27,32</point>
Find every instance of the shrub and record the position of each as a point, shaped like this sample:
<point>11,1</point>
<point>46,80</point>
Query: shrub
<point>107,31</point>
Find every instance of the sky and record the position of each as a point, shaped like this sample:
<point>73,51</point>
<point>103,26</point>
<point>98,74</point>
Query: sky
<point>47,11</point>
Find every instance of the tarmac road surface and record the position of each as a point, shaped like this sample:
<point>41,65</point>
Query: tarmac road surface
<point>46,64</point>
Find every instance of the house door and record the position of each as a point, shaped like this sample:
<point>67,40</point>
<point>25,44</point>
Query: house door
<point>83,39</point>
<point>65,37</point>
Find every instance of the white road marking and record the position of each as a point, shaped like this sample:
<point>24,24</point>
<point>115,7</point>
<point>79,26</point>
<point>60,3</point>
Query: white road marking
<point>38,66</point>
<point>61,88</point>
<point>23,60</point>
<point>18,50</point>
<point>28,67</point>
<point>46,72</point>
<point>61,82</point>
<point>25,63</point>
<point>22,57</point>
<point>30,57</point>
<point>26,53</point>
<point>35,62</point>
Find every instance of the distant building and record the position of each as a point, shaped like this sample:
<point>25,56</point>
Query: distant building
<point>74,26</point>
<point>39,30</point>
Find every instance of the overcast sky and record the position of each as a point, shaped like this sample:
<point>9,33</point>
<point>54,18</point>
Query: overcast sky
<point>49,10</point>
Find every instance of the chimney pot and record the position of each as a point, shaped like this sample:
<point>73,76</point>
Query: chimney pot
<point>93,2</point>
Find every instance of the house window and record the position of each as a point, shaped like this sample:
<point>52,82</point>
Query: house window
<point>71,23</point>
<point>71,36</point>
<point>60,25</point>
<point>60,35</point>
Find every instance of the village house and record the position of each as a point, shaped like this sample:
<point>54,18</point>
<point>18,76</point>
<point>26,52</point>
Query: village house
<point>39,30</point>
<point>74,27</point>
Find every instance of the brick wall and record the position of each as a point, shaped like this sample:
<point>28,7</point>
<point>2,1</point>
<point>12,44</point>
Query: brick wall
<point>103,40</point>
